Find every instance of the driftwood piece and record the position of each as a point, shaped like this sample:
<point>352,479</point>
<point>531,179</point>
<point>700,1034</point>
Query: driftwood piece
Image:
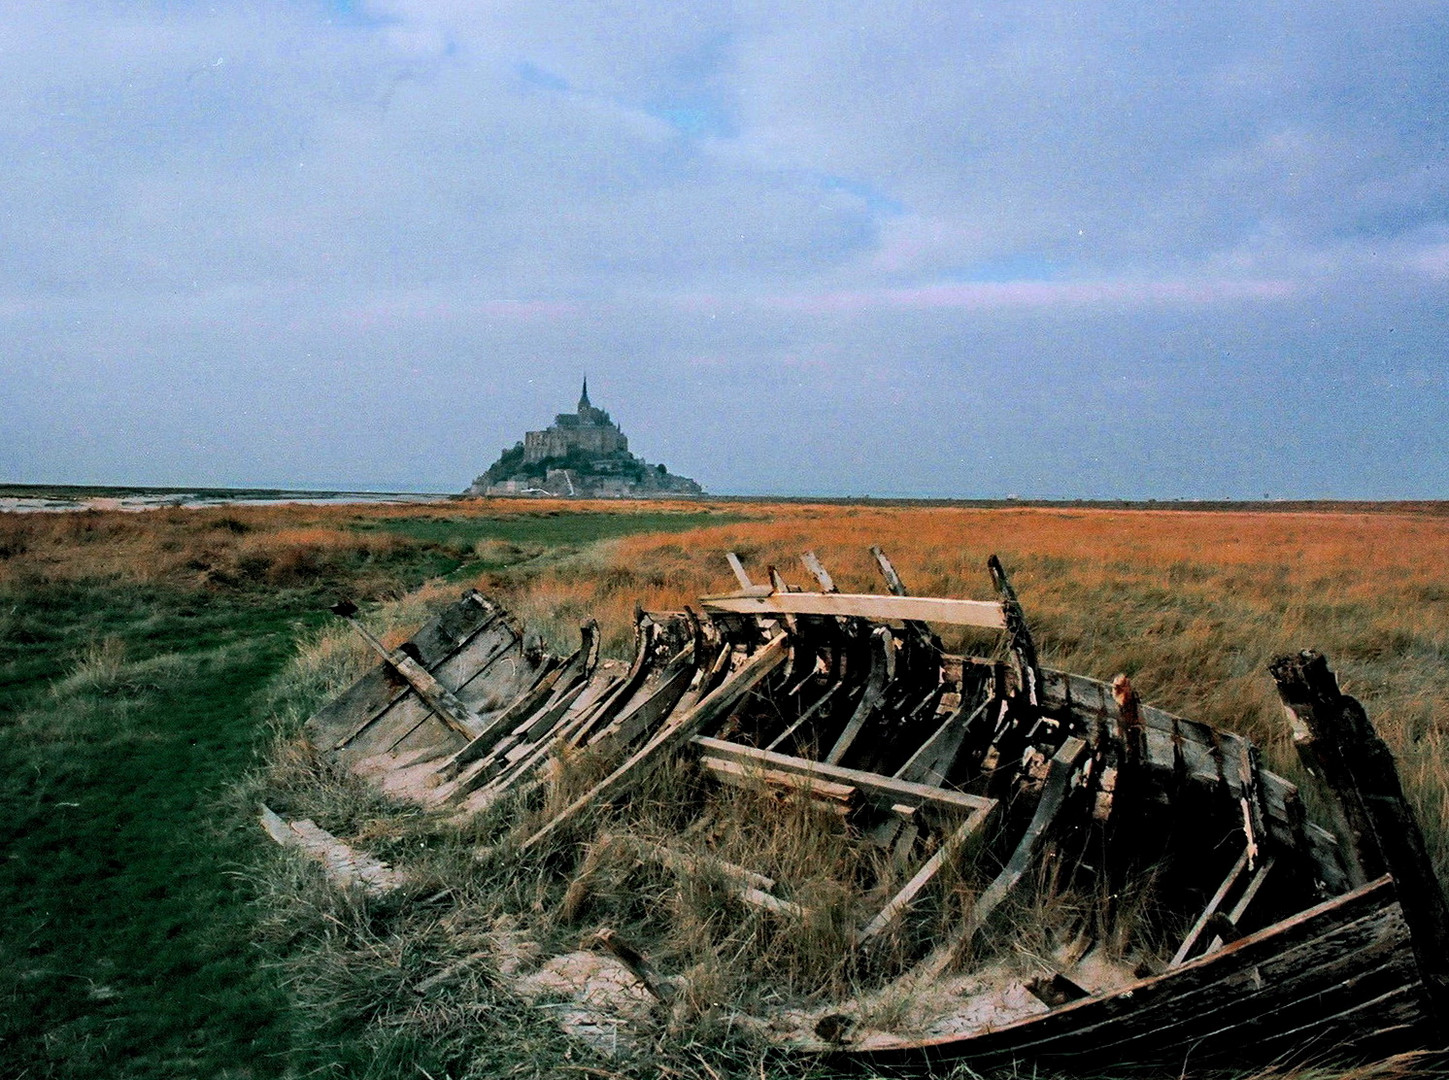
<point>343,864</point>
<point>1333,730</point>
<point>1053,797</point>
<point>750,888</point>
<point>674,733</point>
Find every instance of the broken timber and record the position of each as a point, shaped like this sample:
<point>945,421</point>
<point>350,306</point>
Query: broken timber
<point>1025,782</point>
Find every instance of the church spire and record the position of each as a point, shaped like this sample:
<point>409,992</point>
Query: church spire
<point>584,405</point>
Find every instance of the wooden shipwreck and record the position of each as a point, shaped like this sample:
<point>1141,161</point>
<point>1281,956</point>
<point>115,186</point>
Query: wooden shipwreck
<point>1274,936</point>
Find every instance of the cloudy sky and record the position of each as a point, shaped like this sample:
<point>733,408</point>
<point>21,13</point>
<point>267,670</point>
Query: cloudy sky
<point>1049,249</point>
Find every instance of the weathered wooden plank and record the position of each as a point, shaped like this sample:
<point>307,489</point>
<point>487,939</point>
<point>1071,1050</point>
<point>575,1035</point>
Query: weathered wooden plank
<point>882,788</point>
<point>926,609</point>
<point>739,775</point>
<point>1352,921</point>
<point>818,572</point>
<point>675,733</point>
<point>433,693</point>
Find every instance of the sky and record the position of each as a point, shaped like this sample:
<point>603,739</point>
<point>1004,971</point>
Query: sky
<point>1048,250</point>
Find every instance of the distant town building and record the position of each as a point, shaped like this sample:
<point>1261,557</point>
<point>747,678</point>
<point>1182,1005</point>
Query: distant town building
<point>583,454</point>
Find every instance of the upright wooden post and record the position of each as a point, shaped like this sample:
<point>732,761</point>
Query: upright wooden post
<point>1022,645</point>
<point>1334,731</point>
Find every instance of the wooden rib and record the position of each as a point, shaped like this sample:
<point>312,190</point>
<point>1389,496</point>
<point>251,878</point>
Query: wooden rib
<point>1023,648</point>
<point>739,570</point>
<point>1190,942</point>
<point>1254,884</point>
<point>944,743</point>
<point>676,732</point>
<point>882,669</point>
<point>805,717</point>
<point>632,723</point>
<point>949,849</point>
<point>522,707</point>
<point>818,572</point>
<point>929,609</point>
<point>1053,798</point>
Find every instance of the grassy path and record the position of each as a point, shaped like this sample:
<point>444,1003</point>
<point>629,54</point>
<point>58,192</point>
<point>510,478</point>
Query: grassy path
<point>126,944</point>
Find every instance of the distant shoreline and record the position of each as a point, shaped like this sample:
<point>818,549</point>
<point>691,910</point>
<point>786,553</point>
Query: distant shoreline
<point>61,497</point>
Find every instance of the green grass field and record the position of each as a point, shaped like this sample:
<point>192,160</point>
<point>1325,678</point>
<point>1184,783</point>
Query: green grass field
<point>129,709</point>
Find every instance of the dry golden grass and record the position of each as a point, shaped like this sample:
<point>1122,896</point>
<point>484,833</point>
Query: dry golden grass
<point>1192,605</point>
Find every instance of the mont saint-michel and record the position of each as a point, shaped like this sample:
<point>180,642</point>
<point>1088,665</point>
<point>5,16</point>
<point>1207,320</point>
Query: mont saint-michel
<point>583,454</point>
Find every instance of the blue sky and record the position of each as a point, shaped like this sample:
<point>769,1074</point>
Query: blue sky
<point>1100,250</point>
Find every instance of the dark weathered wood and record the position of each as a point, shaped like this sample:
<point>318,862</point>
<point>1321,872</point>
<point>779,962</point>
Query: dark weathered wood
<point>432,693</point>
<point>809,714</point>
<point>932,762</point>
<point>1022,646</point>
<point>486,734</point>
<point>1267,970</point>
<point>1359,768</point>
<point>882,669</point>
<point>1214,903</point>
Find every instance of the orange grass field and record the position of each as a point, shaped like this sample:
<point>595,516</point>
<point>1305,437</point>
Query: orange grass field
<point>1192,604</point>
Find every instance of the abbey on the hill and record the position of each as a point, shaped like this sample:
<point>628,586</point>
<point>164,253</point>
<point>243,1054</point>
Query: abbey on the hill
<point>583,454</point>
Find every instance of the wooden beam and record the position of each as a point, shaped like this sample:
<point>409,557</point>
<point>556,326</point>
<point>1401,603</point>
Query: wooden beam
<point>673,734</point>
<point>929,609</point>
<point>1360,768</point>
<point>818,572</point>
<point>883,789</point>
<point>882,670</point>
<point>840,796</point>
<point>1023,648</point>
<point>433,694</point>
